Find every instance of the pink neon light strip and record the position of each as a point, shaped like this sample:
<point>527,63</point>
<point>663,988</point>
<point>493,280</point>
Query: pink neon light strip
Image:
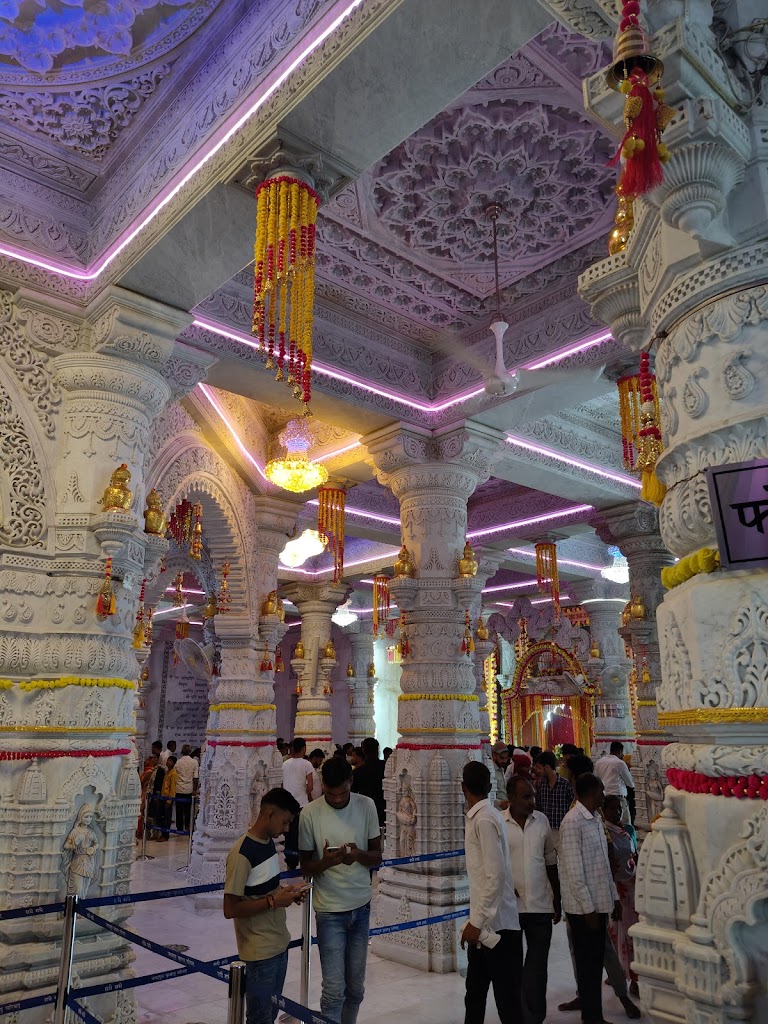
<point>540,449</point>
<point>205,390</point>
<point>560,561</point>
<point>269,86</point>
<point>560,514</point>
<point>510,586</point>
<point>580,346</point>
<point>363,514</point>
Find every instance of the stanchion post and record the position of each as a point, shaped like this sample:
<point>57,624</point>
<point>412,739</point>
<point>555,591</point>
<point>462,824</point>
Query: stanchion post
<point>65,963</point>
<point>306,946</point>
<point>236,1004</point>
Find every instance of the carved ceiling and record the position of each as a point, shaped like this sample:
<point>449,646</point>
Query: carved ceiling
<point>411,233</point>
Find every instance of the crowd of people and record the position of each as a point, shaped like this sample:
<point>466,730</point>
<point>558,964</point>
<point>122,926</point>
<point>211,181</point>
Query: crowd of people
<point>164,778</point>
<point>547,838</point>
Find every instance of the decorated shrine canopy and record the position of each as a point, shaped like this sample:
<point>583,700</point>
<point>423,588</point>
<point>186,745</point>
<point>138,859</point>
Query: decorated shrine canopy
<point>546,720</point>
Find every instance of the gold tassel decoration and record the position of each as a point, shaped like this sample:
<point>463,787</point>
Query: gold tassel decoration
<point>284,280</point>
<point>139,632</point>
<point>640,431</point>
<point>331,502</point>
<point>381,601</point>
<point>148,629</point>
<point>225,598</point>
<point>196,542</point>
<point>105,603</point>
<point>546,572</point>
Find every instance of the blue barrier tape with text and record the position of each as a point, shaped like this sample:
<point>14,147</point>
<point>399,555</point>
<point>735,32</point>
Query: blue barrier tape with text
<point>45,908</point>
<point>300,1012</point>
<point>27,1004</point>
<point>148,979</point>
<point>387,929</point>
<point>81,1012</point>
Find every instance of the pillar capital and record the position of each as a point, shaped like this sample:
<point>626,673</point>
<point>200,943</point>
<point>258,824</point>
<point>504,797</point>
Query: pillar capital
<point>316,598</point>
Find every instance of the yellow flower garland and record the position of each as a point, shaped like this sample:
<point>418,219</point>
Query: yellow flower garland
<point>471,697</point>
<point>6,684</point>
<point>704,560</point>
<point>242,707</point>
<point>694,716</point>
<point>55,684</point>
<point>646,703</point>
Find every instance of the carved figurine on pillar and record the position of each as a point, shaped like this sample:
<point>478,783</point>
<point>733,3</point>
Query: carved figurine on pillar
<point>432,474</point>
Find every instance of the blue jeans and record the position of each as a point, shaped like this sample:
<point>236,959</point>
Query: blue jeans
<point>264,979</point>
<point>342,939</point>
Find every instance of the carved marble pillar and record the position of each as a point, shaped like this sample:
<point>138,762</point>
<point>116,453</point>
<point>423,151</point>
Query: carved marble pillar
<point>633,528</point>
<point>432,474</point>
<point>241,762</point>
<point>613,703</point>
<point>361,684</point>
<point>386,693</point>
<point>316,603</point>
<point>69,677</point>
<point>691,285</point>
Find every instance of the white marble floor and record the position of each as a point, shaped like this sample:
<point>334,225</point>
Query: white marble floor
<point>393,992</point>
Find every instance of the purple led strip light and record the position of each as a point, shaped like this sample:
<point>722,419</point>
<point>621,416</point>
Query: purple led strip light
<point>324,28</point>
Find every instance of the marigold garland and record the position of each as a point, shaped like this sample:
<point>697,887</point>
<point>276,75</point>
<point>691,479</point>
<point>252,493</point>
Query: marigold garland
<point>242,707</point>
<point>241,743</point>
<point>696,716</point>
<point>705,560</point>
<point>331,503</point>
<point>469,697</point>
<point>546,572</point>
<point>439,746</point>
<point>284,279</point>
<point>56,684</point>
<point>751,787</point>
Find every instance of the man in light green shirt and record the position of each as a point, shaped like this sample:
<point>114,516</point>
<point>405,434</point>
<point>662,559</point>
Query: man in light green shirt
<point>340,841</point>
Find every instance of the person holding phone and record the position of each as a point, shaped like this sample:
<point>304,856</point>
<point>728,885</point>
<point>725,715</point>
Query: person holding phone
<point>339,842</point>
<point>255,901</point>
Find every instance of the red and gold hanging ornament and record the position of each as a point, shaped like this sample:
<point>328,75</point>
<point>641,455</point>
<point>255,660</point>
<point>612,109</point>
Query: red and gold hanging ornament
<point>182,623</point>
<point>139,629</point>
<point>284,281</point>
<point>331,502</point>
<point>381,601</point>
<point>225,598</point>
<point>105,603</point>
<point>403,644</point>
<point>266,661</point>
<point>634,72</point>
<point>196,540</point>
<point>640,430</point>
<point>279,663</point>
<point>180,523</point>
<point>546,572</point>
<point>148,628</point>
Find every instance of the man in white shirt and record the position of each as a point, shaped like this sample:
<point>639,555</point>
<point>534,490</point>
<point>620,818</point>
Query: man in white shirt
<point>165,754</point>
<point>617,779</point>
<point>500,758</point>
<point>493,932</point>
<point>588,891</point>
<point>187,781</point>
<point>298,776</point>
<point>533,860</point>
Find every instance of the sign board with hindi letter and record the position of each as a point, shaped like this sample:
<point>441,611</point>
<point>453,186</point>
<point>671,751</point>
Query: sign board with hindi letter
<point>739,496</point>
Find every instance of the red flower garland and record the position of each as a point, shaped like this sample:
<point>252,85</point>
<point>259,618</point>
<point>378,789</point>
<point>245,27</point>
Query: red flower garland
<point>241,743</point>
<point>438,746</point>
<point>25,755</point>
<point>751,787</point>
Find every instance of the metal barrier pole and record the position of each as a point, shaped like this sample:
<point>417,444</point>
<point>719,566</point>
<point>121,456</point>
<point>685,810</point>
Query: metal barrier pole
<point>306,946</point>
<point>65,964</point>
<point>236,1004</point>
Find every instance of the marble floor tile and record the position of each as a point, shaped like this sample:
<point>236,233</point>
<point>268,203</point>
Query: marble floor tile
<point>393,992</point>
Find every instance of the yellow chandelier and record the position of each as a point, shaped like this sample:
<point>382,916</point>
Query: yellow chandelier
<point>294,472</point>
<point>284,280</point>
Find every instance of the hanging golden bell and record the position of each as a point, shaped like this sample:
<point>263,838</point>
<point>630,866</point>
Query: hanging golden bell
<point>210,608</point>
<point>299,651</point>
<point>329,651</point>
<point>631,50</point>
<point>154,517</point>
<point>637,608</point>
<point>404,565</point>
<point>269,604</point>
<point>482,630</point>
<point>118,496</point>
<point>468,563</point>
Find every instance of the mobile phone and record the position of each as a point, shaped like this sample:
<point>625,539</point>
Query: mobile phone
<point>306,888</point>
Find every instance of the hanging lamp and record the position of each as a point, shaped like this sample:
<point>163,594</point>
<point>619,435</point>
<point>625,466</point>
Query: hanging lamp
<point>294,471</point>
<point>284,277</point>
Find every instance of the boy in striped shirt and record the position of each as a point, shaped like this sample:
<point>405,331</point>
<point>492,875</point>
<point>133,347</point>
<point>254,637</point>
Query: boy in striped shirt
<point>255,901</point>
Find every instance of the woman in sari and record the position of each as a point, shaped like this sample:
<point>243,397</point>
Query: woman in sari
<point>624,866</point>
<point>145,779</point>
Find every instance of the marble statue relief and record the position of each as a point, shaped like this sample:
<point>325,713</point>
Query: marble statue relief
<point>406,814</point>
<point>80,853</point>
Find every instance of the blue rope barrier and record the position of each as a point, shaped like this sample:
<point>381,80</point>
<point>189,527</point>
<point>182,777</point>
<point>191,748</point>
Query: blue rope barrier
<point>300,1012</point>
<point>27,1004</point>
<point>167,831</point>
<point>80,1011</point>
<point>149,979</point>
<point>420,858</point>
<point>154,947</point>
<point>145,897</point>
<point>388,929</point>
<point>44,908</point>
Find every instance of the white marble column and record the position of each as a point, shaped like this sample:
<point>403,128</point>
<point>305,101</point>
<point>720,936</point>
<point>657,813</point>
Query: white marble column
<point>633,528</point>
<point>241,762</point>
<point>316,603</point>
<point>386,693</point>
<point>432,475</point>
<point>361,684</point>
<point>67,708</point>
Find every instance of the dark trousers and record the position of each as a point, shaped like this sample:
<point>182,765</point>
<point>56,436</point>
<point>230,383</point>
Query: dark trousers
<point>501,967</point>
<point>589,952</point>
<point>292,844</point>
<point>537,929</point>
<point>183,811</point>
